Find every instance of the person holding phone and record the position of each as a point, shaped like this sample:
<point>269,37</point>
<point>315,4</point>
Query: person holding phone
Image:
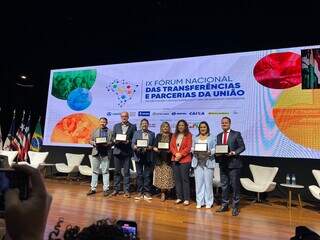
<point>180,147</point>
<point>163,173</point>
<point>230,165</point>
<point>27,219</point>
<point>101,140</point>
<point>203,162</point>
<point>142,145</point>
<point>122,153</point>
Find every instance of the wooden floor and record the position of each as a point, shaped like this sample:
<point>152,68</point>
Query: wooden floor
<point>165,220</point>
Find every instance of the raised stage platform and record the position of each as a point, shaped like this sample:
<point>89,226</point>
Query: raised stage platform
<point>165,220</point>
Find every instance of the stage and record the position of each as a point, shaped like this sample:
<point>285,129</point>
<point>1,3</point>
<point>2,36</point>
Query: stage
<point>165,220</point>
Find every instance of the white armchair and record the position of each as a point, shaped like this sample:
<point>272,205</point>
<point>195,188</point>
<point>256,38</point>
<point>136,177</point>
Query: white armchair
<point>133,171</point>
<point>73,163</point>
<point>10,154</point>
<point>86,170</point>
<point>36,158</point>
<point>216,178</point>
<point>315,190</point>
<point>262,180</point>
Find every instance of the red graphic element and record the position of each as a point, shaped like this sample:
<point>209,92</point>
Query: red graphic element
<point>279,70</point>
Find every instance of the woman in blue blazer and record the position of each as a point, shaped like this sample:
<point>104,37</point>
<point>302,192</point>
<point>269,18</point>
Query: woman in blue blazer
<point>203,163</point>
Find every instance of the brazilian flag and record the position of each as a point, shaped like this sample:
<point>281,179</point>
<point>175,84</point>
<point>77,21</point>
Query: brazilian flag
<point>37,138</point>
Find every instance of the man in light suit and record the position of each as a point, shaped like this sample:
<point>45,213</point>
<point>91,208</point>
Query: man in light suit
<point>122,153</point>
<point>230,165</point>
<point>101,140</point>
<point>144,159</point>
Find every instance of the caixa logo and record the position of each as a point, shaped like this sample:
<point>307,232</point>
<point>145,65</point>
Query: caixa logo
<point>144,113</point>
<point>109,114</point>
<point>196,113</point>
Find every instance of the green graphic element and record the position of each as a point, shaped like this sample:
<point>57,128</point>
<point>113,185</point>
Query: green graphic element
<point>64,82</point>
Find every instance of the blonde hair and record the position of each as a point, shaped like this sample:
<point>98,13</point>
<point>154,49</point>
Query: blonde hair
<point>162,125</point>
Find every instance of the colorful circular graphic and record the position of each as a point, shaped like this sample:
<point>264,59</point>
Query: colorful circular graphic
<point>65,82</point>
<point>297,115</point>
<point>79,99</point>
<point>278,70</point>
<point>75,128</point>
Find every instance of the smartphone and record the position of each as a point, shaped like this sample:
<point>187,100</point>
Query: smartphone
<point>129,228</point>
<point>10,178</point>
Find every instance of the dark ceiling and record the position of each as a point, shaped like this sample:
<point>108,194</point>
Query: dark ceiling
<point>38,38</point>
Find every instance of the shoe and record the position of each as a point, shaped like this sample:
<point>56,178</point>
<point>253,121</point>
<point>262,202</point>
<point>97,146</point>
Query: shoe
<point>186,203</point>
<point>114,193</point>
<point>178,201</point>
<point>91,192</point>
<point>223,209</point>
<point>207,206</point>
<point>127,195</point>
<point>235,212</point>
<point>139,196</point>
<point>198,206</point>
<point>107,193</point>
<point>147,196</point>
<point>163,197</point>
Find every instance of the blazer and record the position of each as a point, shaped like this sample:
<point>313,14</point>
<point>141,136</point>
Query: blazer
<point>236,144</point>
<point>185,148</point>
<point>94,135</point>
<point>151,139</point>
<point>211,163</point>
<point>123,148</point>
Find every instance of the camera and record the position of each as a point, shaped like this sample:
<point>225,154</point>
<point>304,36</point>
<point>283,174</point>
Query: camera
<point>10,178</point>
<point>129,228</point>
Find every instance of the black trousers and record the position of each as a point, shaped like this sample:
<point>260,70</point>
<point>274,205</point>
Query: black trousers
<point>144,175</point>
<point>230,177</point>
<point>121,161</point>
<point>182,180</point>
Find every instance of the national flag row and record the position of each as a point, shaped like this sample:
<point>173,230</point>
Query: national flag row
<point>20,139</point>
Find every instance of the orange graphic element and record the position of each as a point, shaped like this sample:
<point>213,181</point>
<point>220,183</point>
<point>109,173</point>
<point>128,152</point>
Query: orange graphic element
<point>75,128</point>
<point>297,115</point>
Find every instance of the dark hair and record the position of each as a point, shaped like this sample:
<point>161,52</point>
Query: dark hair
<point>207,125</point>
<point>104,118</point>
<point>186,131</point>
<point>102,229</point>
<point>229,119</point>
<point>144,119</point>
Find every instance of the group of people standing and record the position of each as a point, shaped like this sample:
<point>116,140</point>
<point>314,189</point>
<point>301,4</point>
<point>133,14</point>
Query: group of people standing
<point>165,160</point>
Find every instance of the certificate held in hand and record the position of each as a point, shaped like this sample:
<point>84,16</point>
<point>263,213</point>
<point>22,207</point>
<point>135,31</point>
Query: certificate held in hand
<point>100,140</point>
<point>201,147</point>
<point>222,149</point>
<point>142,143</point>
<point>163,145</point>
<point>121,137</point>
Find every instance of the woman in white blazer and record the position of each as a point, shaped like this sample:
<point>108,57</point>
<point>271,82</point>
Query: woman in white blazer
<point>203,162</point>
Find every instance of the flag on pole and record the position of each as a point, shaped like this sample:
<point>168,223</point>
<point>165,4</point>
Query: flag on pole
<point>37,138</point>
<point>26,140</point>
<point>9,140</point>
<point>19,138</point>
<point>1,142</point>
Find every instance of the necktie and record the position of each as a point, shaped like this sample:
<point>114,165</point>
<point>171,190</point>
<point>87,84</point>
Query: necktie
<point>225,138</point>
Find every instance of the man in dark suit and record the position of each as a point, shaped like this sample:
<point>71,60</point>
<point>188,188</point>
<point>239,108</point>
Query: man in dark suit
<point>122,153</point>
<point>230,165</point>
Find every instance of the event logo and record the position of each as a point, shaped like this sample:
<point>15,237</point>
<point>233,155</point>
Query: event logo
<point>160,114</point>
<point>178,113</point>
<point>194,125</point>
<point>196,113</point>
<point>124,90</point>
<point>144,113</point>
